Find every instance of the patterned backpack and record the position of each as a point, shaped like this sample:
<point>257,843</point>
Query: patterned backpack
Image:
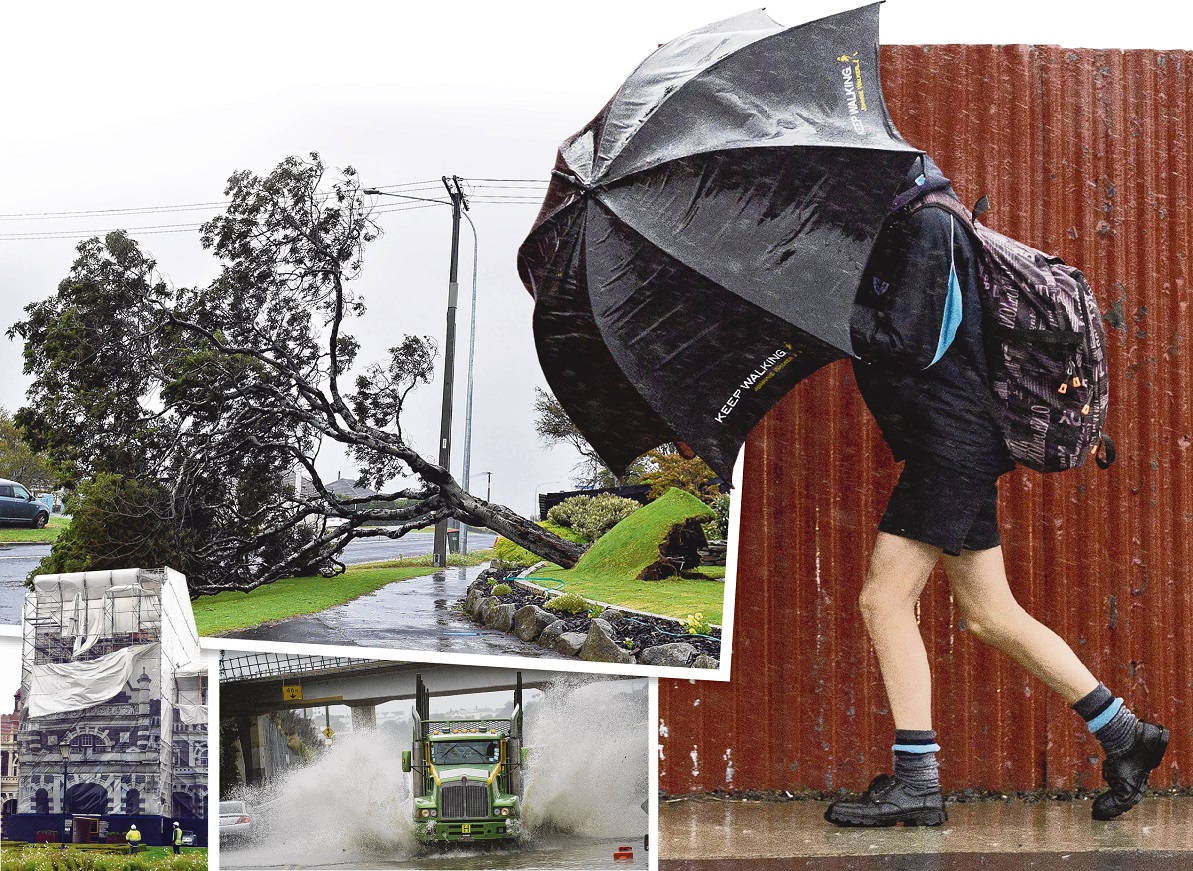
<point>1044,346</point>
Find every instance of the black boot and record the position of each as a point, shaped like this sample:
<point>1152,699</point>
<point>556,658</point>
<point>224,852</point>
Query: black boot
<point>887,802</point>
<point>1127,772</point>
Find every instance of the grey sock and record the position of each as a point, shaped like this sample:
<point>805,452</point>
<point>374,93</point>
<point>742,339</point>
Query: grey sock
<point>1108,718</point>
<point>915,758</point>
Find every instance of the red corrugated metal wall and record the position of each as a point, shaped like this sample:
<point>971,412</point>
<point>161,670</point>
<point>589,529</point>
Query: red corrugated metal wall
<point>1087,154</point>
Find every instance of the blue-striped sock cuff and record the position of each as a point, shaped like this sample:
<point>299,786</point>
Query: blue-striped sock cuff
<point>1105,716</point>
<point>916,748</point>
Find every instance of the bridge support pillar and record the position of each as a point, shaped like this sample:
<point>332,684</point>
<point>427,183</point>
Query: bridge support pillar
<point>364,717</point>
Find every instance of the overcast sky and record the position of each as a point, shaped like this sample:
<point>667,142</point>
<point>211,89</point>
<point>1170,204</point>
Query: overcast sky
<point>141,105</point>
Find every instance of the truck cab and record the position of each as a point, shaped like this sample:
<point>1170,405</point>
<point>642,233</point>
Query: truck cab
<point>467,775</point>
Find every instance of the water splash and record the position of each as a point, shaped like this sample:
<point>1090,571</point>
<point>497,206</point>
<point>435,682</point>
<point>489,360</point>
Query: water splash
<point>586,778</point>
<point>354,799</point>
<point>589,766</point>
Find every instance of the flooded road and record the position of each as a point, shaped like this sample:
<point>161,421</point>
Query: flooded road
<point>416,614</point>
<point>548,852</point>
<point>586,781</point>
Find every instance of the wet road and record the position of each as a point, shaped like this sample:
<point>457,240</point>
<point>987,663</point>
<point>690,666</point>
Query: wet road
<point>418,614</point>
<point>760,836</point>
<point>553,852</point>
<point>17,561</point>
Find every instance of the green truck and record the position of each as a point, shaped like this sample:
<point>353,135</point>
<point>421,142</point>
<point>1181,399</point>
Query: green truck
<point>467,774</point>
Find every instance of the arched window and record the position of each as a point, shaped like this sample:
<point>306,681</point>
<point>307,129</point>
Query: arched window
<point>85,746</point>
<point>41,802</point>
<point>132,802</point>
<point>10,807</point>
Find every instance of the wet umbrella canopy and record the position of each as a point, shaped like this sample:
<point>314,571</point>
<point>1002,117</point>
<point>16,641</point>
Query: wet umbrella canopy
<point>702,239</point>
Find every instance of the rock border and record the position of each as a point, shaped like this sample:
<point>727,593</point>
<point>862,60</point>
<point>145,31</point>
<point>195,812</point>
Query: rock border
<point>589,639</point>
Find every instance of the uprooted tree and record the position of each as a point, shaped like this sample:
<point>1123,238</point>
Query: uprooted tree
<point>205,399</point>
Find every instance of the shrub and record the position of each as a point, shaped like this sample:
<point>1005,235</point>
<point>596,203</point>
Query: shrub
<point>592,516</point>
<point>568,603</point>
<point>719,528</point>
<point>508,552</point>
<point>502,590</point>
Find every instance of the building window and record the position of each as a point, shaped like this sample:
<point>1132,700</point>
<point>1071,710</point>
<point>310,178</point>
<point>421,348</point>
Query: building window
<point>41,802</point>
<point>132,802</point>
<point>182,754</point>
<point>84,746</point>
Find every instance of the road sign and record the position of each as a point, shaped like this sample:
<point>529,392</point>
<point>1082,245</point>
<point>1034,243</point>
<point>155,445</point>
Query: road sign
<point>292,692</point>
<point>328,732</point>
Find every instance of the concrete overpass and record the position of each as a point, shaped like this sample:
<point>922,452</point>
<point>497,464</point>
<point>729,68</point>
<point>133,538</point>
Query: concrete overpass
<point>255,684</point>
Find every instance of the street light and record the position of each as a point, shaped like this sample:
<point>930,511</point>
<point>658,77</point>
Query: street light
<point>468,479</point>
<point>536,495</point>
<point>64,749</point>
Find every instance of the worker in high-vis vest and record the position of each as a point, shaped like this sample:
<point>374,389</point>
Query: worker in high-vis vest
<point>134,839</point>
<point>177,839</point>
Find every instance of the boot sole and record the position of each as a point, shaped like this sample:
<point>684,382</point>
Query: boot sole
<point>919,818</point>
<point>1155,757</point>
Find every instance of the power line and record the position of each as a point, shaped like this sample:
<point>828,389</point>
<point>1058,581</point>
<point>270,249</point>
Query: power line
<point>404,190</point>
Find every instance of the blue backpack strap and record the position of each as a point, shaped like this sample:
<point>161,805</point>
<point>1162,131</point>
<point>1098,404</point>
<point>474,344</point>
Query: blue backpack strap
<point>952,306</point>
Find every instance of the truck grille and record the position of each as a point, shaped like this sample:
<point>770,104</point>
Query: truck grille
<point>463,801</point>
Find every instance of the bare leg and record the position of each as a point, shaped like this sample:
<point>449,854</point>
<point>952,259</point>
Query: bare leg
<point>899,569</point>
<point>979,581</point>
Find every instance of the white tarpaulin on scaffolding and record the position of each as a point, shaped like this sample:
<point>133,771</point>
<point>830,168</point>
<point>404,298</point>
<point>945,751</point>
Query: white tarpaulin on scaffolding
<point>193,715</point>
<point>72,686</point>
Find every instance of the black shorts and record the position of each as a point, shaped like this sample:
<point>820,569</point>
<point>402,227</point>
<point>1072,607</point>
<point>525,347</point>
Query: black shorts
<point>944,507</point>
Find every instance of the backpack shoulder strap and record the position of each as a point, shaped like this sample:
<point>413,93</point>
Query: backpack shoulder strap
<point>952,205</point>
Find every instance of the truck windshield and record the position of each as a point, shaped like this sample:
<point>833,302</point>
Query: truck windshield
<point>461,752</point>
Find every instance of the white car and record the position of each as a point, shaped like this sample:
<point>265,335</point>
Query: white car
<point>237,821</point>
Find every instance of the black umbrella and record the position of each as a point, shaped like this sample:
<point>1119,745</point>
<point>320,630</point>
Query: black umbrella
<point>702,239</point>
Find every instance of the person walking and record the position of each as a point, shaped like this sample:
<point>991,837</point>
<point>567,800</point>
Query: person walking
<point>177,839</point>
<point>133,838</point>
<point>917,332</point>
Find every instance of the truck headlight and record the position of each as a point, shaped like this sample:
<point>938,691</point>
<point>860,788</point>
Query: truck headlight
<point>505,812</point>
<point>424,813</point>
<point>434,812</point>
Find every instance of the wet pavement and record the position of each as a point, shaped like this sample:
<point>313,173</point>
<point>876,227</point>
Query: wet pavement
<point>706,835</point>
<point>416,614</point>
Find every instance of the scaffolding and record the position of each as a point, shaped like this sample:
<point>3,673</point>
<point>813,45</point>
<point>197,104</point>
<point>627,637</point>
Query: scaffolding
<point>104,652</point>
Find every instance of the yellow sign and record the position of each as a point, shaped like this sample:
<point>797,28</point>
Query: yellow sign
<point>328,732</point>
<point>466,828</point>
<point>292,693</point>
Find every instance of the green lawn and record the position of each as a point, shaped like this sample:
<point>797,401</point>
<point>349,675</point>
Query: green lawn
<point>608,570</point>
<point>291,597</point>
<point>23,533</point>
<point>675,598</point>
<point>97,857</point>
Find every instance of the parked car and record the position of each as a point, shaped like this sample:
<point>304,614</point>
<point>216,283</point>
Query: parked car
<point>188,838</point>
<point>237,821</point>
<point>17,505</point>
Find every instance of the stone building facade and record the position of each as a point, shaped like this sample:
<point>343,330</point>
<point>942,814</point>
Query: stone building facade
<point>111,670</point>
